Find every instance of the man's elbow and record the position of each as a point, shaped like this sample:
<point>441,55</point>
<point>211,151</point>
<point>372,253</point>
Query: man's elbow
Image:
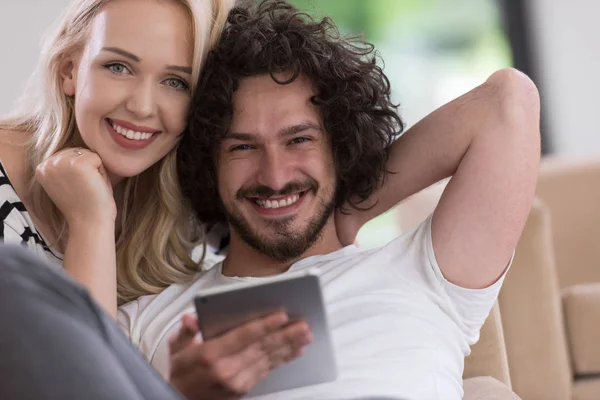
<point>517,102</point>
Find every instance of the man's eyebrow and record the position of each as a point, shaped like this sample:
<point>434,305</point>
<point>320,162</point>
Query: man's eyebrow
<point>287,131</point>
<point>131,56</point>
<point>239,136</point>
<point>294,129</point>
<point>123,53</point>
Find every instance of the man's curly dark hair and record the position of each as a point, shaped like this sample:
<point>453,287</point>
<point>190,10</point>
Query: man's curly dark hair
<point>352,94</point>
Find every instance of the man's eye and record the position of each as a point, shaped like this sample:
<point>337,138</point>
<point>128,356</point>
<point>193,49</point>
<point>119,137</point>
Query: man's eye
<point>299,140</point>
<point>241,147</point>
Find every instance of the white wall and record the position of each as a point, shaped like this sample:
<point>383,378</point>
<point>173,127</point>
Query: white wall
<point>567,38</point>
<point>22,23</point>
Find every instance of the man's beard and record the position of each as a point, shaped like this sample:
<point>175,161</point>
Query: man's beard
<point>282,242</point>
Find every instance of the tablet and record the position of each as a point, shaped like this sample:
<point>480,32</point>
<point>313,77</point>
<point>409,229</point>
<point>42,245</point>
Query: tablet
<point>299,295</point>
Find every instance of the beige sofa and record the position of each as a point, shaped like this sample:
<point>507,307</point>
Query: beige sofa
<point>486,374</point>
<point>550,301</point>
<point>551,309</point>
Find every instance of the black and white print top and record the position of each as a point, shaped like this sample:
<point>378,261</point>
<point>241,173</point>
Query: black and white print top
<point>17,226</point>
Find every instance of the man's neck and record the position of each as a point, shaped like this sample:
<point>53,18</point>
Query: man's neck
<point>244,260</point>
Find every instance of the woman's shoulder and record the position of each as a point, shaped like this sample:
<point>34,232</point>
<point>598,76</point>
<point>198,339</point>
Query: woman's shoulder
<point>14,139</point>
<point>13,153</point>
<point>16,225</point>
<point>12,174</point>
<point>13,178</point>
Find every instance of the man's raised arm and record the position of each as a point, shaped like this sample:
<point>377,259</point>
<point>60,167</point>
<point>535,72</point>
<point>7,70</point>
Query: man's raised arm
<point>488,140</point>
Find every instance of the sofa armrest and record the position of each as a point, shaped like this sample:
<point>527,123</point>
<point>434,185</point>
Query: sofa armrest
<point>488,355</point>
<point>581,304</point>
<point>487,388</point>
<point>532,317</point>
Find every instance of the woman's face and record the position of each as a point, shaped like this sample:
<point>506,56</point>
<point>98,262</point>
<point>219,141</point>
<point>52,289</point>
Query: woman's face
<point>131,83</point>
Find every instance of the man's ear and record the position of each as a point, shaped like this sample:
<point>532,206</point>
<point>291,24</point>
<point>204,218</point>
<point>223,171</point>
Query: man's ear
<point>66,68</point>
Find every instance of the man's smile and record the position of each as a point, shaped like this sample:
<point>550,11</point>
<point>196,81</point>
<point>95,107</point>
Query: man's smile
<point>278,205</point>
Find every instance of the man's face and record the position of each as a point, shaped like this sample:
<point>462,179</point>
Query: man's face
<point>275,167</point>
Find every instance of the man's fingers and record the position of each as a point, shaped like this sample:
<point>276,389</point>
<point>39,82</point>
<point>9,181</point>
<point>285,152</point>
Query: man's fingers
<point>243,336</point>
<point>186,334</point>
<point>276,346</point>
<point>193,368</point>
<point>254,363</point>
<point>213,351</point>
<point>263,345</point>
<point>282,346</point>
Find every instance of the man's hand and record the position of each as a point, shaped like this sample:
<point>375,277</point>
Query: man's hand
<point>229,366</point>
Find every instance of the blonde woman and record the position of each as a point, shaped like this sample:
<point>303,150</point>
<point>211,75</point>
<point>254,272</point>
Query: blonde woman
<point>87,179</point>
<point>88,160</point>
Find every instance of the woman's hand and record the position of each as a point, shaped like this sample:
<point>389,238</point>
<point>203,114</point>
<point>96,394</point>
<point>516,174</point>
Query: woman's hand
<point>78,184</point>
<point>229,366</point>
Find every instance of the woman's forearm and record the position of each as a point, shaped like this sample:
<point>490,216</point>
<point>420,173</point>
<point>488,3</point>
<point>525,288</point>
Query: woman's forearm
<point>90,258</point>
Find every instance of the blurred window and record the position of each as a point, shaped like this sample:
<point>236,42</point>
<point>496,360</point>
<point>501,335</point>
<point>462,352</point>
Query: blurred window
<point>433,51</point>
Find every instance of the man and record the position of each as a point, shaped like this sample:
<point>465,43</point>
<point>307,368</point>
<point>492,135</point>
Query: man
<point>291,123</point>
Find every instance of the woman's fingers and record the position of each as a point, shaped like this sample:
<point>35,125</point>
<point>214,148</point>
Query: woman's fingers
<point>78,184</point>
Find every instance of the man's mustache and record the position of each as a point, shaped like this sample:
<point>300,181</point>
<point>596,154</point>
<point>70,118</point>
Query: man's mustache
<point>289,188</point>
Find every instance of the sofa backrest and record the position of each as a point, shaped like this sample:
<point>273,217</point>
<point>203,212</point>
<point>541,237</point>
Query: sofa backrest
<point>571,190</point>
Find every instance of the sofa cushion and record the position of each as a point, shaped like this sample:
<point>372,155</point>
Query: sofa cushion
<point>586,388</point>
<point>581,305</point>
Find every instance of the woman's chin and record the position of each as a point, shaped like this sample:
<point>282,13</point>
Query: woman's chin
<point>116,174</point>
<point>122,167</point>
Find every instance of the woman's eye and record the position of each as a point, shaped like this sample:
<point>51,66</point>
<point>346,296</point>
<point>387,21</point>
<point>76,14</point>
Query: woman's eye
<point>116,68</point>
<point>176,83</point>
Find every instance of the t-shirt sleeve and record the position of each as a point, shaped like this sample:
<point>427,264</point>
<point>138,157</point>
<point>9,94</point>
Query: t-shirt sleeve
<point>468,308</point>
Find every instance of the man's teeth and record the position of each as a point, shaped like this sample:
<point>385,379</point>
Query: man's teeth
<point>288,201</point>
<point>129,134</point>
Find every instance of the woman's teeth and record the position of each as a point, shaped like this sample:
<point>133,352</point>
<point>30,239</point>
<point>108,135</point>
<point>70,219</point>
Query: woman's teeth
<point>129,134</point>
<point>288,201</point>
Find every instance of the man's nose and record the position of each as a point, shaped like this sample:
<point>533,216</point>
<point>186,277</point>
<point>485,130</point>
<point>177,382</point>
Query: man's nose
<point>274,169</point>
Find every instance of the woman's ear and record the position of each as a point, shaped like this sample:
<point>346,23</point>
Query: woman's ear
<point>66,69</point>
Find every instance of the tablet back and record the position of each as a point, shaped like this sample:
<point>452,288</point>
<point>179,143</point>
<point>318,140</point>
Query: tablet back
<point>300,296</point>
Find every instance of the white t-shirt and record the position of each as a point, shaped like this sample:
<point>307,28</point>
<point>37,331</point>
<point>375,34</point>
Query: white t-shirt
<point>399,329</point>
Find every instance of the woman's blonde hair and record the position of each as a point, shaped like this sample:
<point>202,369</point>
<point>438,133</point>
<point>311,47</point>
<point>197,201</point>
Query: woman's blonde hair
<point>154,239</point>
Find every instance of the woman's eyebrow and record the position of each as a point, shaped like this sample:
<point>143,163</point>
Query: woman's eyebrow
<point>123,53</point>
<point>133,57</point>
